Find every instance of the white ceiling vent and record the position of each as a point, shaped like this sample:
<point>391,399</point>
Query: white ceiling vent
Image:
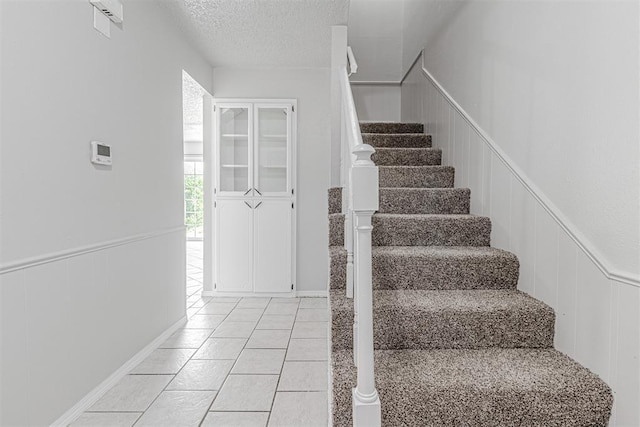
<point>111,8</point>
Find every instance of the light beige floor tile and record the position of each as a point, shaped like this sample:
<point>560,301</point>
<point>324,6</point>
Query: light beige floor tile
<point>269,338</point>
<point>217,308</point>
<point>285,301</point>
<point>246,393</point>
<point>304,376</point>
<point>164,361</point>
<point>221,348</point>
<point>310,330</point>
<point>281,309</point>
<point>253,302</point>
<point>276,322</point>
<point>201,375</point>
<point>204,321</point>
<point>313,303</point>
<point>178,409</point>
<point>307,349</point>
<point>259,361</point>
<point>133,393</point>
<point>106,419</point>
<point>234,329</point>
<point>308,409</point>
<point>225,299</point>
<point>245,315</point>
<point>192,312</point>
<point>312,315</point>
<point>187,338</point>
<point>195,304</point>
<point>236,419</point>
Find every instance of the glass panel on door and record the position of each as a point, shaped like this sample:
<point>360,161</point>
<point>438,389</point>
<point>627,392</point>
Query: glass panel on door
<point>234,149</point>
<point>272,149</point>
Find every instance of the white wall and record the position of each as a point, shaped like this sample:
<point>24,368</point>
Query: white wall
<point>377,102</point>
<point>74,307</point>
<point>566,121</point>
<point>311,87</point>
<point>375,35</point>
<point>562,103</point>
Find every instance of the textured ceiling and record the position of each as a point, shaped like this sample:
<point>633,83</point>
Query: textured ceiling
<point>261,33</point>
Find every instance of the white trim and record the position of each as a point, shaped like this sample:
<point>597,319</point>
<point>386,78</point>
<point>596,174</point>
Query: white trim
<point>92,397</point>
<point>565,224</point>
<point>214,293</point>
<point>312,294</point>
<point>295,294</point>
<point>81,250</point>
<point>374,83</point>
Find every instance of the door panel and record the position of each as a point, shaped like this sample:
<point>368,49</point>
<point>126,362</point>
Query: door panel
<point>234,149</point>
<point>272,246</point>
<point>234,246</point>
<point>272,151</point>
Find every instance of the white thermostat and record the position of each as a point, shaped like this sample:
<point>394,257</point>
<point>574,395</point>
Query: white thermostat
<point>100,153</point>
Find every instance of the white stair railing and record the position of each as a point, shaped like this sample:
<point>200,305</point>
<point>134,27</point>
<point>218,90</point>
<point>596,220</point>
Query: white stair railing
<point>360,178</point>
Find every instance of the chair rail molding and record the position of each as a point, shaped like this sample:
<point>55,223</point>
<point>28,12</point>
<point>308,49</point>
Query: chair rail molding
<point>81,250</point>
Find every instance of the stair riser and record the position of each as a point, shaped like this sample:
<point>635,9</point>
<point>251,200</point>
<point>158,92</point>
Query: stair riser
<point>405,157</point>
<point>431,273</point>
<point>443,231</point>
<point>416,177</point>
<point>382,127</point>
<point>424,330</point>
<point>425,201</point>
<point>417,140</point>
<point>395,231</point>
<point>336,230</point>
<point>421,273</point>
<point>335,200</point>
<point>337,269</point>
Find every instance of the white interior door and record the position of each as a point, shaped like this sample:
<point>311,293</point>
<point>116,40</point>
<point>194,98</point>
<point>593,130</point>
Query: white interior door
<point>234,224</point>
<point>272,246</point>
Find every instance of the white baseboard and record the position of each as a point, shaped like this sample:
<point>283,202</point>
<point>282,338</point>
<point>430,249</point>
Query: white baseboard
<point>95,394</point>
<point>315,294</point>
<point>312,294</point>
<point>304,294</point>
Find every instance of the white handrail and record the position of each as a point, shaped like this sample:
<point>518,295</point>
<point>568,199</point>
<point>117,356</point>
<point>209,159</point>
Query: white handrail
<point>360,176</point>
<point>351,61</point>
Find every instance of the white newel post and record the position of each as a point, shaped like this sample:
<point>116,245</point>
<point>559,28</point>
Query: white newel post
<point>364,202</point>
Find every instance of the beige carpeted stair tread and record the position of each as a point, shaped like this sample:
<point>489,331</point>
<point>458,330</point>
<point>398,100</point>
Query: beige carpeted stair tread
<point>429,319</point>
<point>486,387</point>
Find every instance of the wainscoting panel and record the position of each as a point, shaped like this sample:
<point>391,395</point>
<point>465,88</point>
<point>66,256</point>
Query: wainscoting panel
<point>546,259</point>
<point>565,338</point>
<point>597,320</point>
<point>593,318</point>
<point>499,203</point>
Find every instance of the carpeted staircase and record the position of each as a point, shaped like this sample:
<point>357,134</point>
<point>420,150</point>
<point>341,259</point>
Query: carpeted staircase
<point>456,344</point>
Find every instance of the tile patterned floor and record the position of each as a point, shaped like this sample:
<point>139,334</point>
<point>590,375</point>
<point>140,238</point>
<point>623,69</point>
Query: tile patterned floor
<point>237,362</point>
